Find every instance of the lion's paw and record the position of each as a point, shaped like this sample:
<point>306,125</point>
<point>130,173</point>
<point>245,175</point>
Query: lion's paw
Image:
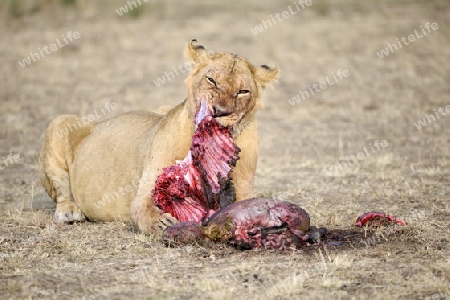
<point>156,225</point>
<point>68,212</point>
<point>165,220</point>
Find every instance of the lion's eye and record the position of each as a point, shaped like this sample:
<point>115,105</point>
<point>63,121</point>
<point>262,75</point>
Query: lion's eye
<point>210,80</point>
<point>243,92</point>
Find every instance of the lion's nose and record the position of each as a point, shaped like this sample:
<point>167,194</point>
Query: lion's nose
<point>220,112</point>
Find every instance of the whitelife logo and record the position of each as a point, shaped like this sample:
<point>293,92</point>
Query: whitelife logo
<point>265,24</point>
<point>10,160</point>
<point>170,75</point>
<point>431,118</point>
<point>49,49</point>
<point>124,9</point>
<point>339,166</point>
<point>319,87</point>
<point>85,120</point>
<point>411,38</point>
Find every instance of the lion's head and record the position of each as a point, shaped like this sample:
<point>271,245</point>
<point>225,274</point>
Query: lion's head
<point>230,84</point>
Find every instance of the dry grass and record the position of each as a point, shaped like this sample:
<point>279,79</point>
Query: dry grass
<point>117,59</point>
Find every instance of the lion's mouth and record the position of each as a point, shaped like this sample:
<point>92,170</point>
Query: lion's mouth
<point>224,117</point>
<point>218,112</point>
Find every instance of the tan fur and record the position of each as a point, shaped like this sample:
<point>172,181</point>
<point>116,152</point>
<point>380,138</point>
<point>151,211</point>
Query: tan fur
<point>107,171</point>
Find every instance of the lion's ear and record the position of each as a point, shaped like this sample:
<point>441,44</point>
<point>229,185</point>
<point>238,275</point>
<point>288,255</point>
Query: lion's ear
<point>196,52</point>
<point>265,75</point>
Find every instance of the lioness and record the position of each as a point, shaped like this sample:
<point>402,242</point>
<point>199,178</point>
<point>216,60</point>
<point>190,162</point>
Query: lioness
<point>107,171</point>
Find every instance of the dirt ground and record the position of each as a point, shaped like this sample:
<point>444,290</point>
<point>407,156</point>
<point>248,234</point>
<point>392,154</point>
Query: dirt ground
<point>117,59</point>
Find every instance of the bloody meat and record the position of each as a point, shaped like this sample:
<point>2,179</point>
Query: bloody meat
<point>253,223</point>
<point>198,186</point>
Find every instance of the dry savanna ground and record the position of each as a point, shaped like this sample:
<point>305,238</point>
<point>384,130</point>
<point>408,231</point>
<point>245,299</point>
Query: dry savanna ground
<point>118,59</point>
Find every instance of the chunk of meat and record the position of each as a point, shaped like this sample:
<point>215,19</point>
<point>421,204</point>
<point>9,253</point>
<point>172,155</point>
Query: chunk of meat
<point>371,217</point>
<point>260,222</point>
<point>252,223</point>
<point>200,184</point>
<point>183,233</point>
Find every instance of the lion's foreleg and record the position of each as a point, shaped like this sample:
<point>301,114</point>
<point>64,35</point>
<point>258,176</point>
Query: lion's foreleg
<point>145,215</point>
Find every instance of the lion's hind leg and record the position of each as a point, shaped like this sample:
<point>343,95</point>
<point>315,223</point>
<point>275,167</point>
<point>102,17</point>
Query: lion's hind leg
<point>63,136</point>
